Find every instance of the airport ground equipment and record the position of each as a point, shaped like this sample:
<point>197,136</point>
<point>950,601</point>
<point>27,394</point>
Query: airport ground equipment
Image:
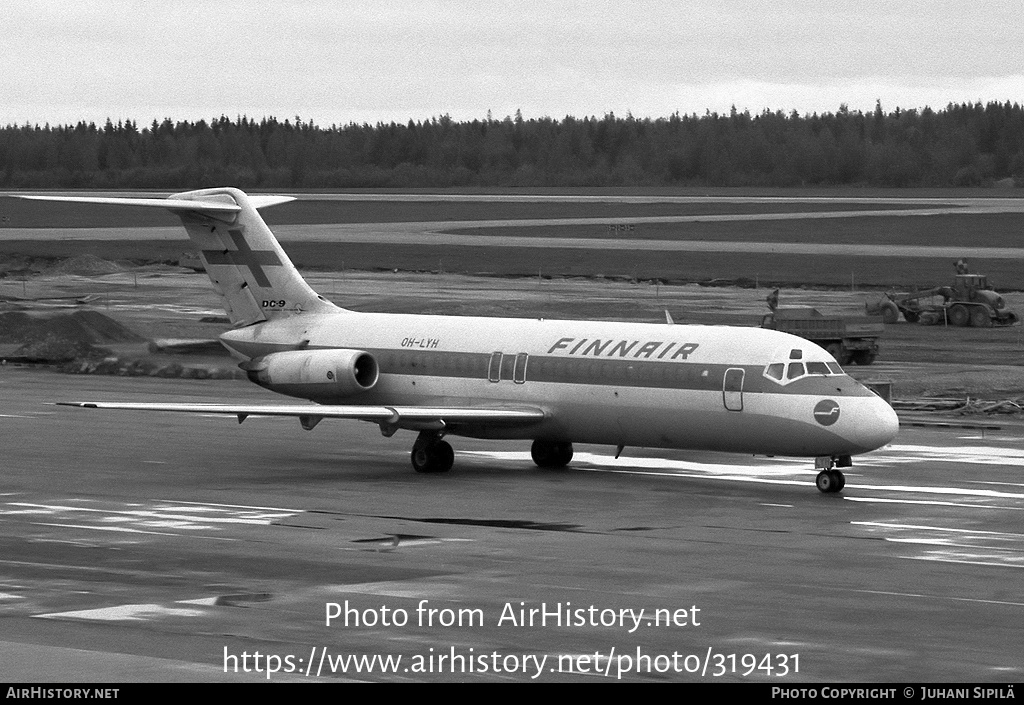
<point>968,302</point>
<point>846,338</point>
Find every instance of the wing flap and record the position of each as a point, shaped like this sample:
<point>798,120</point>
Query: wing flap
<point>391,415</point>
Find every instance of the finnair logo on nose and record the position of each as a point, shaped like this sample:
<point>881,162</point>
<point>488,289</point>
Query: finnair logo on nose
<point>826,412</point>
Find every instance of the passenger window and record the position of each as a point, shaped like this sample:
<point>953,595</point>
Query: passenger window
<point>775,370</point>
<point>796,369</point>
<point>494,368</point>
<point>519,373</point>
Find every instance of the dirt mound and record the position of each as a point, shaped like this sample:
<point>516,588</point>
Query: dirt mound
<point>14,325</point>
<point>89,327</point>
<point>54,349</point>
<point>86,265</point>
<point>14,263</point>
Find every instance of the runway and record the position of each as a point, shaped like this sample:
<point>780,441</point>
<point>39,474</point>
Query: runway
<point>166,547</point>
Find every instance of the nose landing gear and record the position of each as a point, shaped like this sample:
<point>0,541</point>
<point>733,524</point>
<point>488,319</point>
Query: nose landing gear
<point>831,480</point>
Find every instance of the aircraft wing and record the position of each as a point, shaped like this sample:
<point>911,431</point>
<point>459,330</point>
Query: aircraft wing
<point>311,414</point>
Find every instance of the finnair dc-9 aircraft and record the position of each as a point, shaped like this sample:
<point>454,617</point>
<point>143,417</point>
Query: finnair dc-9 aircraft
<point>553,382</point>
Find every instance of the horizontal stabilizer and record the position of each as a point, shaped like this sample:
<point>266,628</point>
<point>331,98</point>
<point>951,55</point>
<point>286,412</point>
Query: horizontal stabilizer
<point>175,204</point>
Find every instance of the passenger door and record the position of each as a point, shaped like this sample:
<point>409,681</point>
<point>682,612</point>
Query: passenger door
<point>732,389</point>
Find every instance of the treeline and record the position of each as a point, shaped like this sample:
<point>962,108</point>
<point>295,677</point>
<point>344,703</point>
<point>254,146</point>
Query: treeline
<point>961,145</point>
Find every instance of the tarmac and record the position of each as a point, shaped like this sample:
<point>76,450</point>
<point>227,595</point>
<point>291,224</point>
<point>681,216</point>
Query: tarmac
<point>177,547</point>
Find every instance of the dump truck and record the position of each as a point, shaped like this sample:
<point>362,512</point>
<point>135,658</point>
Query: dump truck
<point>969,302</point>
<point>846,338</point>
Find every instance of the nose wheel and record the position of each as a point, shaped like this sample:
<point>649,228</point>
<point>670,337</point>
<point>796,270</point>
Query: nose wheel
<point>830,481</point>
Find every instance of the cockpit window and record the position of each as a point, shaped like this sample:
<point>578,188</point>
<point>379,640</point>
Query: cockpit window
<point>793,365</point>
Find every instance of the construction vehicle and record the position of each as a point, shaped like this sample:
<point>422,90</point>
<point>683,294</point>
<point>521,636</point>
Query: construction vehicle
<point>969,302</point>
<point>846,338</point>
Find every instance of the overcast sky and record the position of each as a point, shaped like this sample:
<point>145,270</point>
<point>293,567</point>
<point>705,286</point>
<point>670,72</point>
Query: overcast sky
<point>338,62</point>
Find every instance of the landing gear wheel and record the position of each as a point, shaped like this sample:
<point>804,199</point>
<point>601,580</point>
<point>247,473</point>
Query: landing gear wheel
<point>959,315</point>
<point>551,454</point>
<point>830,481</point>
<point>432,455</point>
<point>444,456</point>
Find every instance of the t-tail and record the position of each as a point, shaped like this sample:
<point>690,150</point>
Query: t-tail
<point>252,274</point>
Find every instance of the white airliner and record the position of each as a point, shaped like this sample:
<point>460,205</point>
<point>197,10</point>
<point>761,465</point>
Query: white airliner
<point>717,388</point>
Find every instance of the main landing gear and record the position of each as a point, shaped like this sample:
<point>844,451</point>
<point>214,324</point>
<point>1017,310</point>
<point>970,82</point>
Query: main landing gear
<point>551,454</point>
<point>431,454</point>
<point>831,480</point>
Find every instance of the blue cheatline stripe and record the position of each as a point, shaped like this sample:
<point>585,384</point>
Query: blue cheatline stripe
<point>678,375</point>
<point>613,372</point>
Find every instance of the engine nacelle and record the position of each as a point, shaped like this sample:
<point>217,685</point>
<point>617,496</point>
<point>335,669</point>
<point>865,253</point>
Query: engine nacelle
<point>315,374</point>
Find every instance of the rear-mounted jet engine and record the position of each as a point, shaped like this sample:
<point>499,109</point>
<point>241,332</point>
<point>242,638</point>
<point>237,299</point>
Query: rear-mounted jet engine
<point>315,374</point>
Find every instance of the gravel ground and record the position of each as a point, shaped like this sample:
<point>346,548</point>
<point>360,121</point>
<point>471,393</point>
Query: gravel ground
<point>163,302</point>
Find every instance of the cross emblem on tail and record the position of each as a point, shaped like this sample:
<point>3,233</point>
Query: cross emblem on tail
<point>245,256</point>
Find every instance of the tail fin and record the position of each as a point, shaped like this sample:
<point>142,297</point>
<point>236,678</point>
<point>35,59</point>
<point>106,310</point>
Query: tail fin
<point>247,266</point>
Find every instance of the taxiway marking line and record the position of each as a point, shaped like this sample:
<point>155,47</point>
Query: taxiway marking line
<point>940,597</point>
<point>925,527</point>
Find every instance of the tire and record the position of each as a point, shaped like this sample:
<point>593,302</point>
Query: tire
<point>825,482</point>
<point>830,481</point>
<point>551,454</point>
<point>891,313</point>
<point>864,357</point>
<point>912,316</point>
<point>980,317</point>
<point>564,454</point>
<point>432,457</point>
<point>958,315</point>
<point>421,458</point>
<point>444,456</point>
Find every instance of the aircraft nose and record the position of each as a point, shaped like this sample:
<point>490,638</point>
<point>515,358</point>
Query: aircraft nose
<point>877,426</point>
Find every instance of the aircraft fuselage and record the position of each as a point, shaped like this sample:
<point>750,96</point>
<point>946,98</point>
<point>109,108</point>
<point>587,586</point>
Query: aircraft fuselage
<point>629,384</point>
